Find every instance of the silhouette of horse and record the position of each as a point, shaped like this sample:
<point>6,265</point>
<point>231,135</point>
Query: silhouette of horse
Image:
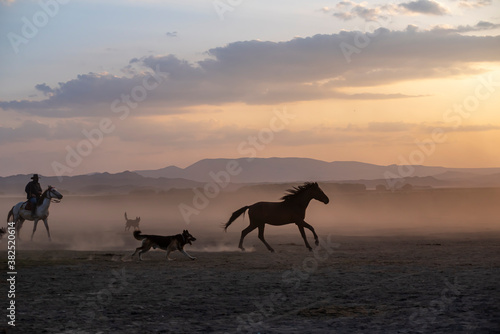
<point>291,210</point>
<point>20,214</point>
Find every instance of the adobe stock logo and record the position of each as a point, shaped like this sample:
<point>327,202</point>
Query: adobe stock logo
<point>220,179</point>
<point>30,27</point>
<point>453,118</point>
<point>94,137</point>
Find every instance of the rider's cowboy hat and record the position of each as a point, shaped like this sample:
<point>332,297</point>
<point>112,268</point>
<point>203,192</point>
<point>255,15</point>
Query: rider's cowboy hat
<point>34,177</point>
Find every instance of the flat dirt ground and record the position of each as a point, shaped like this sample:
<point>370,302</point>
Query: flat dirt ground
<point>425,261</point>
<point>349,284</point>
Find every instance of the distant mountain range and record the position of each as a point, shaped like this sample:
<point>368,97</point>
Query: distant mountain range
<point>98,183</point>
<point>262,170</point>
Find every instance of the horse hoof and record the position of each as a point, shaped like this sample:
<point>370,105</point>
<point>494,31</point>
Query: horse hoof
<point>310,249</point>
<point>271,250</point>
<point>316,242</point>
<point>242,249</point>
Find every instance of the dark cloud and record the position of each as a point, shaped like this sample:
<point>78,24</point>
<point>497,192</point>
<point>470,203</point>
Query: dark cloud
<point>428,7</point>
<point>348,10</point>
<point>44,88</point>
<point>256,72</point>
<point>72,98</point>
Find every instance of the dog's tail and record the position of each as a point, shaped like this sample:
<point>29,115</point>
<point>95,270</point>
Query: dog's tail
<point>138,236</point>
<point>10,214</point>
<point>235,215</point>
<point>126,218</point>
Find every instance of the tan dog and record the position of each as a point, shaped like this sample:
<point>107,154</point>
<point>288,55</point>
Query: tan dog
<point>132,223</point>
<point>167,243</point>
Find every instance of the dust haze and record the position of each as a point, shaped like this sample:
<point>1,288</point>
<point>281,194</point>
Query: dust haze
<point>98,223</point>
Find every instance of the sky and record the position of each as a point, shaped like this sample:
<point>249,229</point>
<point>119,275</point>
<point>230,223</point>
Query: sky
<point>107,86</point>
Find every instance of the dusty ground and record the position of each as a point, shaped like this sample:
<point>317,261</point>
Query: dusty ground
<point>433,284</point>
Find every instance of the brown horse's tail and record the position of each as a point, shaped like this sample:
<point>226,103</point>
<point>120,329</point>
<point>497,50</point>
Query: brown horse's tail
<point>10,214</point>
<point>235,215</point>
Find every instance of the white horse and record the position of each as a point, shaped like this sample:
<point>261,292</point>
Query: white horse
<point>20,214</point>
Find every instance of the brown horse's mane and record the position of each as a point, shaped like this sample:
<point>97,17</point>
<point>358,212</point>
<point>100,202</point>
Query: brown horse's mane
<point>297,191</point>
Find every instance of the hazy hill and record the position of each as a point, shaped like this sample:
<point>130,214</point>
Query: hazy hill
<point>261,170</point>
<point>98,183</point>
<point>302,169</point>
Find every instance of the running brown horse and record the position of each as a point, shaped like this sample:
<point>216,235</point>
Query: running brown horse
<point>292,210</point>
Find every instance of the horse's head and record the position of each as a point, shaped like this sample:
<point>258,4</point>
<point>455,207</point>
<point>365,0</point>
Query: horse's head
<point>318,194</point>
<point>52,193</point>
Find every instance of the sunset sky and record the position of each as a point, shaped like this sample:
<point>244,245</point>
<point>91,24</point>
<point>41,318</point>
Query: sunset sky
<point>94,86</point>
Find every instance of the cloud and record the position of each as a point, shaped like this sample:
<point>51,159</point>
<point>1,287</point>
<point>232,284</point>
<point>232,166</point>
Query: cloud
<point>44,88</point>
<point>349,10</point>
<point>462,128</point>
<point>389,126</point>
<point>474,3</point>
<point>428,7</point>
<point>183,134</point>
<point>424,127</point>
<point>30,130</point>
<point>480,26</point>
<point>27,131</point>
<point>260,72</point>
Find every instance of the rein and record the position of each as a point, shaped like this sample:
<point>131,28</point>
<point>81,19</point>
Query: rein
<point>52,199</point>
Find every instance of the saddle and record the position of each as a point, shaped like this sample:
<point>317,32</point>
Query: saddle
<point>28,206</point>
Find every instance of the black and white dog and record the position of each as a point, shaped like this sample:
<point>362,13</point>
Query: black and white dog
<point>167,243</point>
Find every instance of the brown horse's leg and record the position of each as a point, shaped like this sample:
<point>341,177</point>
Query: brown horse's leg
<point>244,233</point>
<point>303,234</point>
<point>261,237</point>
<point>306,225</point>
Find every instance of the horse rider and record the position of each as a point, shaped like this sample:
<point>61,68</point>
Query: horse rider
<point>33,192</point>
